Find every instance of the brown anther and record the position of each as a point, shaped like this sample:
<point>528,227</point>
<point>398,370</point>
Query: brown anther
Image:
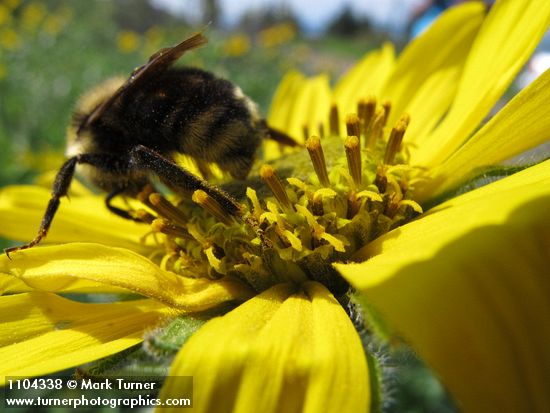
<point>353,125</point>
<point>305,131</point>
<point>209,204</point>
<point>143,196</point>
<point>354,205</point>
<point>144,216</point>
<point>367,107</point>
<point>392,206</point>
<point>167,209</point>
<point>317,205</point>
<point>353,155</point>
<point>381,180</point>
<point>394,143</point>
<point>169,228</point>
<point>317,156</point>
<point>387,109</point>
<point>376,128</point>
<point>405,118</point>
<point>334,120</point>
<point>321,130</point>
<point>268,174</point>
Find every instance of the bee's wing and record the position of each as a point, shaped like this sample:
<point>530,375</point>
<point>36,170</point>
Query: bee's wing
<point>158,62</point>
<point>163,59</point>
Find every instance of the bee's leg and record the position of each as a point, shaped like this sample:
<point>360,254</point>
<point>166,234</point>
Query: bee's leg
<point>180,179</point>
<point>279,136</point>
<point>60,187</point>
<point>118,211</point>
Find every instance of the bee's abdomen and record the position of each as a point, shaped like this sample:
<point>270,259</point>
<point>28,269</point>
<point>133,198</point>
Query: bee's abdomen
<point>192,112</point>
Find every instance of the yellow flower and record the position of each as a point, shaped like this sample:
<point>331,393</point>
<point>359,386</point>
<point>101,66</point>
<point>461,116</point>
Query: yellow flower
<point>5,15</point>
<point>128,41</point>
<point>237,45</point>
<point>465,283</point>
<point>32,15</point>
<point>277,35</point>
<point>9,39</point>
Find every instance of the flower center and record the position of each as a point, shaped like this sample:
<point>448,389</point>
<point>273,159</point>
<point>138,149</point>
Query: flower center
<point>296,220</point>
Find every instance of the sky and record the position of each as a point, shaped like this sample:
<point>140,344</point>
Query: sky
<point>313,14</point>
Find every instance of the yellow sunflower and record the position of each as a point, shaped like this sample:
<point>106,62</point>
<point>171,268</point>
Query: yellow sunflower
<point>466,282</point>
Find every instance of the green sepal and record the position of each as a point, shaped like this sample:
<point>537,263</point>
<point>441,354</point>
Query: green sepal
<point>165,341</point>
<point>479,177</point>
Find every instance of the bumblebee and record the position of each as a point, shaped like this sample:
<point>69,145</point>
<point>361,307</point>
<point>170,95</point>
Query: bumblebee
<point>132,130</point>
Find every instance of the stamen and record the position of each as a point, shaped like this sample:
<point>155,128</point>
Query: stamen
<point>353,155</point>
<point>211,205</point>
<point>354,204</point>
<point>396,137</point>
<point>414,205</point>
<point>267,173</point>
<point>317,204</point>
<point>381,180</point>
<point>169,228</point>
<point>353,125</point>
<point>317,207</point>
<point>367,109</point>
<point>305,131</point>
<point>387,109</point>
<point>166,209</point>
<point>376,128</point>
<point>321,131</point>
<point>214,261</point>
<point>257,209</point>
<point>334,121</point>
<point>293,240</point>
<point>317,156</point>
<point>144,216</point>
<point>143,196</point>
<point>392,205</point>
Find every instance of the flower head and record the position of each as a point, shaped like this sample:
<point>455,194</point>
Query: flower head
<point>462,282</point>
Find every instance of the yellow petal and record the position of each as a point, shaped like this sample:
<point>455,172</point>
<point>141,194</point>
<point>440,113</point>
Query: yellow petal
<point>364,79</point>
<point>507,38</point>
<point>468,287</point>
<point>420,240</point>
<point>522,124</point>
<point>283,101</point>
<point>280,351</point>
<point>10,284</point>
<point>300,102</point>
<point>82,218</point>
<point>430,102</point>
<point>53,268</point>
<point>443,46</point>
<point>311,107</point>
<point>41,333</point>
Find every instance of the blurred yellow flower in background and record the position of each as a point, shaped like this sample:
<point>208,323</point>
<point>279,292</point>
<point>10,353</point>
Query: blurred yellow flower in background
<point>276,35</point>
<point>5,15</point>
<point>32,15</point>
<point>236,45</point>
<point>128,41</point>
<point>9,39</point>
